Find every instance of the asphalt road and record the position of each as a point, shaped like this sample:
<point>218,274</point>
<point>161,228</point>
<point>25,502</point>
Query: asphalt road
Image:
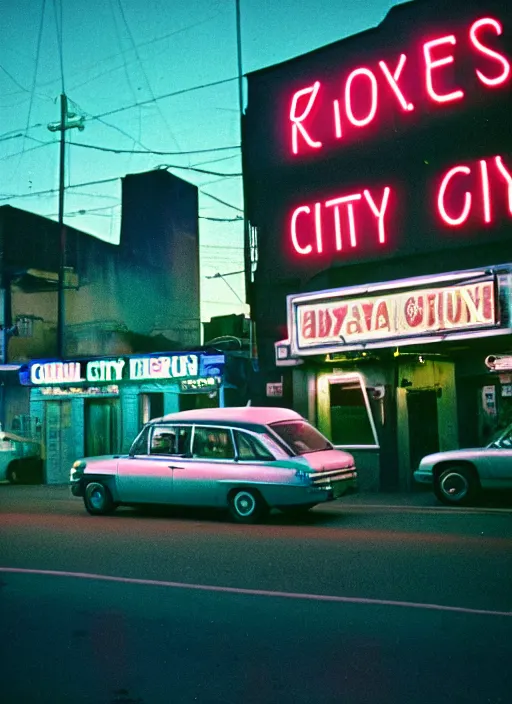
<point>375,600</point>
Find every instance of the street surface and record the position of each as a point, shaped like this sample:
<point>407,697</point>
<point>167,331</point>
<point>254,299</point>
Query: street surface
<point>379,599</point>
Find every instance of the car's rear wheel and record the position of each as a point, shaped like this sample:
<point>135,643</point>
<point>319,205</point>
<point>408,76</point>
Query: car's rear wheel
<point>456,485</point>
<point>98,499</point>
<point>247,506</point>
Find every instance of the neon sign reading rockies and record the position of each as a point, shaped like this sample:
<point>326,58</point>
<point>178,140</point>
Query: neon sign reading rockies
<point>466,191</point>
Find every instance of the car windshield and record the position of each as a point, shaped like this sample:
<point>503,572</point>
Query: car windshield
<point>503,438</point>
<point>301,437</point>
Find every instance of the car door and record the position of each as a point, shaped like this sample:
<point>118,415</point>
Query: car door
<point>147,475</point>
<point>197,481</point>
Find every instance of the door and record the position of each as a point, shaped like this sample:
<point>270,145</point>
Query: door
<point>101,421</point>
<point>148,478</point>
<point>203,479</point>
<point>59,441</point>
<point>423,428</point>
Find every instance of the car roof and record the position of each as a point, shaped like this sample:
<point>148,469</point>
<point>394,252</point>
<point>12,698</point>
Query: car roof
<point>253,415</point>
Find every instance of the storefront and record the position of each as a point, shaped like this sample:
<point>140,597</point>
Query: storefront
<point>393,369</point>
<point>97,406</point>
<point>378,181</point>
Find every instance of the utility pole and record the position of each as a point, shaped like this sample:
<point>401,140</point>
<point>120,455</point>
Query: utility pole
<point>67,121</point>
<point>246,222</point>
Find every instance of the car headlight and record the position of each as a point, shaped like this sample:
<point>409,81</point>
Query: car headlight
<point>77,470</point>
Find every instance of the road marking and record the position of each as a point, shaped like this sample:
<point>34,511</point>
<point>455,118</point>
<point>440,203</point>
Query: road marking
<point>255,592</point>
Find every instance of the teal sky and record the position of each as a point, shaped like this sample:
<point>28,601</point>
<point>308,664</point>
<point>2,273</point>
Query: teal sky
<point>119,59</point>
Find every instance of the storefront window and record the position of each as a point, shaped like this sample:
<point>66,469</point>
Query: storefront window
<point>351,420</point>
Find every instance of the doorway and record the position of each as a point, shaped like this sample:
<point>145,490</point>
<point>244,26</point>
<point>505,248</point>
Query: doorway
<point>101,426</point>
<point>423,425</point>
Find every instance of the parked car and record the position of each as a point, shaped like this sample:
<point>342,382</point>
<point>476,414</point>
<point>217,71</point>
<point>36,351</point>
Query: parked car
<point>247,460</point>
<point>458,476</point>
<point>20,459</point>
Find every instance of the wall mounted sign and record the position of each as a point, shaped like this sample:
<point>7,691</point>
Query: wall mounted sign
<point>115,370</point>
<point>499,362</point>
<point>393,142</point>
<point>333,320</point>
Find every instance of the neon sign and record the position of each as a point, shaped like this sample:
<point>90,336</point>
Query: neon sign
<point>320,115</point>
<point>466,192</point>
<point>81,373</point>
<point>340,320</point>
<point>164,367</point>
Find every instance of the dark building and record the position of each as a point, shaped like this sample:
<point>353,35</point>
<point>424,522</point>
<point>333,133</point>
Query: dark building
<point>132,324</point>
<point>378,182</point>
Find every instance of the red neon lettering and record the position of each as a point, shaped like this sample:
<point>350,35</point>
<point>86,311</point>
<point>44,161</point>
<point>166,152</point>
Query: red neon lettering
<point>293,227</point>
<point>467,197</point>
<point>393,78</point>
<point>485,190</point>
<point>432,64</point>
<point>379,212</point>
<point>508,178</point>
<point>337,119</point>
<point>351,222</point>
<point>309,324</point>
<point>348,100</point>
<point>297,120</point>
<point>475,27</point>
<point>318,228</point>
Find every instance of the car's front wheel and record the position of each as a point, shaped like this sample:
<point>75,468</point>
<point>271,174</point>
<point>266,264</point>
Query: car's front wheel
<point>247,506</point>
<point>456,485</point>
<point>98,499</point>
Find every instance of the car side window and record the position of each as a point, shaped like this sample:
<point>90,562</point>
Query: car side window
<point>213,443</point>
<point>140,444</point>
<point>170,440</point>
<point>250,448</point>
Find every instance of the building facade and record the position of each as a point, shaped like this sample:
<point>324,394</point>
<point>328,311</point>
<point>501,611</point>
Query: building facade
<point>378,180</point>
<point>122,302</point>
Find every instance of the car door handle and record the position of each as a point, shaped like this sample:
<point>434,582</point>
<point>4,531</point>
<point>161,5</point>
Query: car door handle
<point>173,466</point>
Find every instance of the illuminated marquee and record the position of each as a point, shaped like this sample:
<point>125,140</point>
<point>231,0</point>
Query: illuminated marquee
<point>143,368</point>
<point>343,321</point>
<point>316,120</point>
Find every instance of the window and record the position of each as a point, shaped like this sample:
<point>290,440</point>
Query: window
<point>140,444</point>
<point>151,406</point>
<point>170,440</point>
<point>301,436</point>
<point>250,448</point>
<point>351,423</point>
<point>213,443</point>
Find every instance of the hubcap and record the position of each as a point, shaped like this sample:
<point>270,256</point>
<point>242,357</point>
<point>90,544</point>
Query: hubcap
<point>244,504</point>
<point>96,498</point>
<point>455,486</point>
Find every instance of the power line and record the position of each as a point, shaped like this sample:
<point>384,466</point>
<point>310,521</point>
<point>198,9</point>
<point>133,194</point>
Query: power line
<point>212,84</point>
<point>153,151</point>
<point>223,202</point>
<point>34,79</point>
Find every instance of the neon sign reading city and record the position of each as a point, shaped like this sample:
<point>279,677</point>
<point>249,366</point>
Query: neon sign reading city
<point>364,87</point>
<point>184,366</point>
<point>321,118</point>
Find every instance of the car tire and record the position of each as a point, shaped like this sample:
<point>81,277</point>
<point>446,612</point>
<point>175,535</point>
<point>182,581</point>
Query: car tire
<point>13,473</point>
<point>456,485</point>
<point>98,499</point>
<point>247,506</point>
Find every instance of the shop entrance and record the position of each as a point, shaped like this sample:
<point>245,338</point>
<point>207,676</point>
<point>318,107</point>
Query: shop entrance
<point>423,424</point>
<point>58,440</point>
<point>101,423</point>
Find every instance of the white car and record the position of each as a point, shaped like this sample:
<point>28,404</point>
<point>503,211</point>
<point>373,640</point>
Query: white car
<point>247,460</point>
<point>458,476</point>
<point>20,459</point>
